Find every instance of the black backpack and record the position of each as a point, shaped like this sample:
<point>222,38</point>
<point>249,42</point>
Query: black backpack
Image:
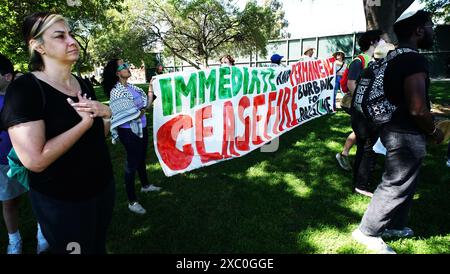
<point>369,98</point>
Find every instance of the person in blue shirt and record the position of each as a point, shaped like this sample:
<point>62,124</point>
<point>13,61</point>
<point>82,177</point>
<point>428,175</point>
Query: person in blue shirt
<point>10,189</point>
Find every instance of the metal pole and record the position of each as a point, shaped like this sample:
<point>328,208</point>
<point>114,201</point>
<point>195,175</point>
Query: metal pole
<point>301,48</point>
<point>317,47</point>
<point>354,45</point>
<point>287,52</point>
<point>174,64</point>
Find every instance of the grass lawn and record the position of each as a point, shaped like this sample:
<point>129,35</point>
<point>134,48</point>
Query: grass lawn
<point>296,200</point>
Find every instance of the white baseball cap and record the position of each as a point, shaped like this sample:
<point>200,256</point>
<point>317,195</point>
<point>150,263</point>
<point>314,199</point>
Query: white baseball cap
<point>411,11</point>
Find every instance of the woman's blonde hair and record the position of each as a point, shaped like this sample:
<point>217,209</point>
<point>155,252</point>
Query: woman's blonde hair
<point>33,27</point>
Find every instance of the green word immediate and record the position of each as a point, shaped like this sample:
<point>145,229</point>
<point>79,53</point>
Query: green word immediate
<point>223,83</point>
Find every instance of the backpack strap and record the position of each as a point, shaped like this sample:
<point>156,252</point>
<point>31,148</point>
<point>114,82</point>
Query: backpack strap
<point>397,52</point>
<point>363,60</point>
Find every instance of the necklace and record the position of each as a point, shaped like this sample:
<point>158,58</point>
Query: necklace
<point>61,87</point>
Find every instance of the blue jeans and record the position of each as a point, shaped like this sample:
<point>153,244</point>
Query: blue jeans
<point>84,223</point>
<point>136,149</point>
<point>391,201</point>
<point>337,87</point>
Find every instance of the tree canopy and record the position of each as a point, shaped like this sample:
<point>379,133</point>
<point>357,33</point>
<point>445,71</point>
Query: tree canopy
<point>383,16</point>
<point>84,18</point>
<point>440,9</point>
<point>198,30</point>
<point>194,31</point>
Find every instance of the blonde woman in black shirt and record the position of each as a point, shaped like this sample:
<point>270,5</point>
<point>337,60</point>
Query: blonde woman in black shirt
<point>58,132</point>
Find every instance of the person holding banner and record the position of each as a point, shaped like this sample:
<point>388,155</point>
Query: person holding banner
<point>158,71</point>
<point>227,60</point>
<point>275,60</point>
<point>308,54</point>
<point>129,124</point>
<point>339,66</point>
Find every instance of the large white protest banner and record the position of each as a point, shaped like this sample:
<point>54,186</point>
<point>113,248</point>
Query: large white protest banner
<point>207,116</point>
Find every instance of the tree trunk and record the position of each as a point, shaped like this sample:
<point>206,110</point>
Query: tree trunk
<point>174,52</point>
<point>205,61</point>
<point>83,57</point>
<point>81,61</point>
<point>384,15</point>
<point>78,68</point>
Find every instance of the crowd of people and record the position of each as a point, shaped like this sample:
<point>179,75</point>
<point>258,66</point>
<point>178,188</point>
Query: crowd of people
<point>58,133</point>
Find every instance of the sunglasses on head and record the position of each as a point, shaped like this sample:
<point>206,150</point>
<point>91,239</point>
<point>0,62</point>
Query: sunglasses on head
<point>122,67</point>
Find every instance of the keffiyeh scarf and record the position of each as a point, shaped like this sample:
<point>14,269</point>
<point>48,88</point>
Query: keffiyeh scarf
<point>124,110</point>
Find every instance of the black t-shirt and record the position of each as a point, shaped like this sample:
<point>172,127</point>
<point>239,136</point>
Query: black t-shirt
<point>355,70</point>
<point>397,71</point>
<point>85,169</point>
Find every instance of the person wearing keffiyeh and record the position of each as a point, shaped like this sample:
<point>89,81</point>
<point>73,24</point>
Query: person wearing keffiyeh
<point>128,105</point>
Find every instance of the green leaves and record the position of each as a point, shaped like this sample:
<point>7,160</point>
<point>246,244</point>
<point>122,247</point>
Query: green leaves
<point>200,30</point>
<point>440,10</point>
<point>91,15</point>
<point>195,31</point>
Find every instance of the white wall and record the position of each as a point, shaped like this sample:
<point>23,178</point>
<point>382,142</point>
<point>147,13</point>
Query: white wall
<point>312,18</point>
